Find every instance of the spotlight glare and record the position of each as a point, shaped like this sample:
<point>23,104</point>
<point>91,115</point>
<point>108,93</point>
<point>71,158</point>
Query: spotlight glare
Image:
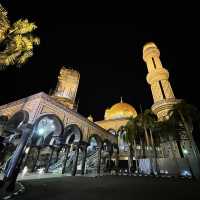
<point>185,151</point>
<point>41,131</point>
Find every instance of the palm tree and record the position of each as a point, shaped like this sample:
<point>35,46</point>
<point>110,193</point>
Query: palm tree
<point>146,121</point>
<point>168,132</point>
<point>4,23</point>
<point>16,40</point>
<point>142,121</point>
<point>130,137</point>
<point>151,124</point>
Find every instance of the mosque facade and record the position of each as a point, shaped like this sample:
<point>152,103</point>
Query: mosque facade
<point>62,104</point>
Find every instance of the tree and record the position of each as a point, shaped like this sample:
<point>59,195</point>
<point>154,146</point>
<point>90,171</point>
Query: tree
<point>151,120</point>
<point>168,133</point>
<point>16,40</point>
<point>130,137</point>
<point>146,121</point>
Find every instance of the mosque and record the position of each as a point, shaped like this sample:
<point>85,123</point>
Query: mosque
<point>62,104</point>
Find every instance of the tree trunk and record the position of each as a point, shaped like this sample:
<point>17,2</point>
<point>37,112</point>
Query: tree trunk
<point>148,149</point>
<point>147,139</point>
<point>174,156</point>
<point>154,150</point>
<point>130,160</point>
<point>117,163</point>
<point>142,148</point>
<point>110,162</point>
<point>135,155</point>
<point>146,135</point>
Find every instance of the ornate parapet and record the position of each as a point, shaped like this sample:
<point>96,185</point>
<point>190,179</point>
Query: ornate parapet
<point>161,108</point>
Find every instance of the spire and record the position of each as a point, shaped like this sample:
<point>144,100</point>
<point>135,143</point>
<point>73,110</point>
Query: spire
<point>90,118</point>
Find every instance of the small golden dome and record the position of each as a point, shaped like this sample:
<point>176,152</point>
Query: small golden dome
<point>90,118</point>
<point>119,111</point>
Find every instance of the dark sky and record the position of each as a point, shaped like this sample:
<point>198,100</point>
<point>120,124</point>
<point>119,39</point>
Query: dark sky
<point>108,57</point>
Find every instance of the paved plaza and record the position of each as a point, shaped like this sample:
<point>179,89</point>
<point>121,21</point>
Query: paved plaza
<point>109,187</point>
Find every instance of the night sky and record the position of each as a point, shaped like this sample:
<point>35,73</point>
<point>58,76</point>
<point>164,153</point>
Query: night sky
<point>108,57</point>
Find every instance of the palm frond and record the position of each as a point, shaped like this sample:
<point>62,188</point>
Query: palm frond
<point>36,40</point>
<point>22,27</point>
<point>4,23</point>
<point>10,59</point>
<point>24,57</point>
<point>16,41</point>
<point>3,10</point>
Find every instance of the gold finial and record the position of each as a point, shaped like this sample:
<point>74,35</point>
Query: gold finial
<point>90,118</point>
<point>121,100</point>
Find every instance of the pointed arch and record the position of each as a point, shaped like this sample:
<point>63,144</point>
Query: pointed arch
<point>73,134</point>
<point>46,127</point>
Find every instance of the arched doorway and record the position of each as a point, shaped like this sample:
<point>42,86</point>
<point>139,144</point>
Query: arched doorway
<point>93,160</point>
<point>47,130</point>
<point>73,135</point>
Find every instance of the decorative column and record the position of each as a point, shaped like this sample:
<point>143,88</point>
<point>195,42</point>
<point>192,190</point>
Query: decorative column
<point>130,160</point>
<point>84,149</point>
<point>49,160</point>
<point>67,149</point>
<point>99,160</point>
<point>75,160</point>
<point>117,162</point>
<point>110,160</point>
<point>37,157</point>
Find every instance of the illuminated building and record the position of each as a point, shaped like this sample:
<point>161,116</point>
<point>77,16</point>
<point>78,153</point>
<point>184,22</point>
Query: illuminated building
<point>115,119</point>
<point>164,100</point>
<point>111,129</point>
<point>61,103</point>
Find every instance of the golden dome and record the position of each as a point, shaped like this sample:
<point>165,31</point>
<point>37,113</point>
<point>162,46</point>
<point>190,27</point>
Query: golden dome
<point>119,111</point>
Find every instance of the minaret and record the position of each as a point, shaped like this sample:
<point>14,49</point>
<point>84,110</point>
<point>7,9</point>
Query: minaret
<point>158,78</point>
<point>66,89</point>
